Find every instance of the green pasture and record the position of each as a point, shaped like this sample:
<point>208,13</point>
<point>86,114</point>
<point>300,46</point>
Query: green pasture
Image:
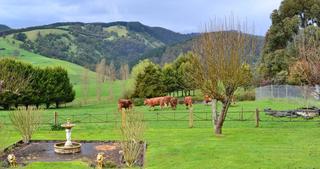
<point>171,144</point>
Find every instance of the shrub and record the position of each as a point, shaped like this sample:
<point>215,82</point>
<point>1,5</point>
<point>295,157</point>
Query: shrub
<point>56,127</point>
<point>246,96</point>
<point>110,164</point>
<point>138,101</point>
<point>26,121</point>
<point>132,135</point>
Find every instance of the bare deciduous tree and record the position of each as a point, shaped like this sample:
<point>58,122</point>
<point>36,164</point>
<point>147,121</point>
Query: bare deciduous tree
<point>220,63</point>
<point>85,85</point>
<point>111,74</point>
<point>100,77</point>
<point>124,74</point>
<point>308,45</point>
<point>124,71</point>
<point>26,121</point>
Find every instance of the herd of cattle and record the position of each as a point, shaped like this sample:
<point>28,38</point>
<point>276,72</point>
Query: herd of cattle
<point>164,101</point>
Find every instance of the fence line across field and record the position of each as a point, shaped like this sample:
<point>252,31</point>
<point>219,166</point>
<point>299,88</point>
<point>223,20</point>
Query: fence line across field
<point>288,91</point>
<point>174,116</point>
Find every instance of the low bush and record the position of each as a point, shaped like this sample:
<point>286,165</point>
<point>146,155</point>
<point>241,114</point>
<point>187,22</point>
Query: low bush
<point>56,127</point>
<point>249,95</point>
<point>138,101</point>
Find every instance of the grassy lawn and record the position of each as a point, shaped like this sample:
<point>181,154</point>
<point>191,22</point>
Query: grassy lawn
<point>171,144</point>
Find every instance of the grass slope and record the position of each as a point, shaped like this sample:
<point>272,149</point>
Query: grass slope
<point>74,70</point>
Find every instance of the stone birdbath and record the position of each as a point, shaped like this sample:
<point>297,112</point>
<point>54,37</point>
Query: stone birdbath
<point>67,147</point>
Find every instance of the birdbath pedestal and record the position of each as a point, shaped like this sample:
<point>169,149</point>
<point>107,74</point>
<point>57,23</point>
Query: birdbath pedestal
<point>67,147</point>
<point>68,126</point>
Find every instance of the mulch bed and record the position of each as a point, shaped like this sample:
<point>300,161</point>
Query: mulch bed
<point>43,151</point>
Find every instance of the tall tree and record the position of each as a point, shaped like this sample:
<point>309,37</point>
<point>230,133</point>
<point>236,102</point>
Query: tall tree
<point>150,83</point>
<point>169,78</point>
<point>85,85</point>
<point>219,63</point>
<point>286,21</point>
<point>100,77</point>
<point>306,69</point>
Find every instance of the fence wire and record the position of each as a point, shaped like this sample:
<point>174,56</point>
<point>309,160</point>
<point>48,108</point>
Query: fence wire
<point>287,91</point>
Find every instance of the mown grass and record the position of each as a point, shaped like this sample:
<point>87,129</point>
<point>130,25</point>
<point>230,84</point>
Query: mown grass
<point>171,144</point>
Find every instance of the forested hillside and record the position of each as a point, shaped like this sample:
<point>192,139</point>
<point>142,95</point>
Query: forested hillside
<point>4,28</point>
<point>87,44</point>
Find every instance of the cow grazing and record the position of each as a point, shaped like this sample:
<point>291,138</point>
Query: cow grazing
<point>153,101</point>
<point>124,103</point>
<point>165,101</point>
<point>158,101</point>
<point>188,101</point>
<point>173,103</point>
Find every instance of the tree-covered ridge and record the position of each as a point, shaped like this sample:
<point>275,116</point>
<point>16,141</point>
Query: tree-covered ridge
<point>87,44</point>
<point>4,28</point>
<point>169,53</point>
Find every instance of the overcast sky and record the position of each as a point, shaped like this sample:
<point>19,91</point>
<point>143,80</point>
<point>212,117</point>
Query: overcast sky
<point>183,16</point>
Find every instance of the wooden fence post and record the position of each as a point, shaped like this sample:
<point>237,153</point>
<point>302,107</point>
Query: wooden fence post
<point>123,118</point>
<point>257,118</point>
<point>190,117</point>
<point>55,119</point>
<point>241,115</point>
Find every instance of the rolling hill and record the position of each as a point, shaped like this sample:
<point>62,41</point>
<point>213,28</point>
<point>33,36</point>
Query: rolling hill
<point>87,43</point>
<point>4,28</point>
<point>11,49</point>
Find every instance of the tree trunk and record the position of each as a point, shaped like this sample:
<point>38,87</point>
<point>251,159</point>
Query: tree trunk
<point>57,104</point>
<point>214,114</point>
<point>222,116</point>
<point>48,105</point>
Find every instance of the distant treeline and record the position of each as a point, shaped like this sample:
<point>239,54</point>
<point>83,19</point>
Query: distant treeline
<point>23,84</point>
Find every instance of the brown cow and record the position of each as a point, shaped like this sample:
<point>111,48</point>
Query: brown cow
<point>188,101</point>
<point>173,102</point>
<point>124,103</point>
<point>153,101</point>
<point>161,101</point>
<point>165,101</point>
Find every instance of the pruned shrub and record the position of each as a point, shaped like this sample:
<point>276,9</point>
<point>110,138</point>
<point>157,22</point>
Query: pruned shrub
<point>132,136</point>
<point>26,121</point>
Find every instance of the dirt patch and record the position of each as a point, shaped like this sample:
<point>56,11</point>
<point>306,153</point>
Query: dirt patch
<point>106,147</point>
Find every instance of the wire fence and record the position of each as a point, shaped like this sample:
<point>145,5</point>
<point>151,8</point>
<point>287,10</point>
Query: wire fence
<point>287,91</point>
<point>169,116</point>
